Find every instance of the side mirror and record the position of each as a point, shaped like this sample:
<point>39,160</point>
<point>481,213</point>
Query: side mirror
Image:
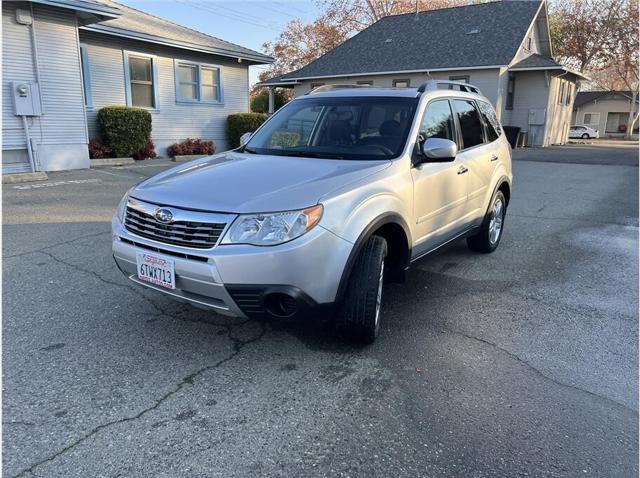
<point>244,139</point>
<point>439,150</point>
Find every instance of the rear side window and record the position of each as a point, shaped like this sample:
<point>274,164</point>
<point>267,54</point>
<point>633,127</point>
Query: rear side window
<point>437,121</point>
<point>470,123</point>
<point>490,121</point>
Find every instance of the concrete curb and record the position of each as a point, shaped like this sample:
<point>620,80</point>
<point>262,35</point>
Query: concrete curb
<point>14,178</point>
<point>187,157</point>
<point>111,162</point>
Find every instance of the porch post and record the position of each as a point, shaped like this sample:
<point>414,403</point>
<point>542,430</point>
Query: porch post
<point>271,100</point>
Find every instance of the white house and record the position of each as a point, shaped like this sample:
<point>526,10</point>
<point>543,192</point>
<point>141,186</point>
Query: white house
<point>62,60</point>
<point>502,47</point>
<point>606,111</point>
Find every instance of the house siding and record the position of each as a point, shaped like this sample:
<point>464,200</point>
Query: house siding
<point>172,121</point>
<point>58,136</point>
<point>486,80</point>
<point>604,107</point>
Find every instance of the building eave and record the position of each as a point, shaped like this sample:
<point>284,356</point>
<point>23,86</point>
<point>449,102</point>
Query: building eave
<point>99,10</point>
<point>422,70</point>
<point>107,30</point>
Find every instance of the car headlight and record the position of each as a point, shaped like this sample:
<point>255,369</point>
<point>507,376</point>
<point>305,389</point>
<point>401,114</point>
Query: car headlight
<point>269,229</point>
<point>122,208</point>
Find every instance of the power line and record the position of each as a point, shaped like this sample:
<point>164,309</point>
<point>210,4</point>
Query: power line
<point>293,7</point>
<point>231,11</point>
<point>230,16</point>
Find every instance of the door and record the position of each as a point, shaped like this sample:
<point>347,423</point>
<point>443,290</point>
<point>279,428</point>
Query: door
<point>440,189</point>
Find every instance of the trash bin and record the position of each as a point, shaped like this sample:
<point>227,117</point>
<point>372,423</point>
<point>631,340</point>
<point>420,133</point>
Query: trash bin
<point>511,133</point>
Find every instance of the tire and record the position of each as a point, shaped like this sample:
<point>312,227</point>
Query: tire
<point>488,238</point>
<point>585,136</point>
<point>360,312</point>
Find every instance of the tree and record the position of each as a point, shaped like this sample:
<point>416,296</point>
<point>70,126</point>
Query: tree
<point>582,30</point>
<point>624,57</point>
<point>260,100</point>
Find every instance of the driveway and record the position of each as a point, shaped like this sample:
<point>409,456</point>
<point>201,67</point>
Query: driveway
<point>622,153</point>
<point>521,362</point>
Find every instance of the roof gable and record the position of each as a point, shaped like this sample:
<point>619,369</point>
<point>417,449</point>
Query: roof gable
<point>482,35</point>
<point>584,97</point>
<point>143,26</point>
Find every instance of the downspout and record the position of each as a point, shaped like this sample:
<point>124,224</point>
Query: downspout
<point>25,123</point>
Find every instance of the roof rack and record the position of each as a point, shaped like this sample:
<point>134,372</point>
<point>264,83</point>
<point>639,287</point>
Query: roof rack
<point>323,88</point>
<point>432,85</point>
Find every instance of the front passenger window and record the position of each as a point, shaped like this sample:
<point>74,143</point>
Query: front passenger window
<point>437,121</point>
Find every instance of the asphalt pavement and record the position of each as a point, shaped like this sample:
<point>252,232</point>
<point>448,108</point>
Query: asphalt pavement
<point>523,362</point>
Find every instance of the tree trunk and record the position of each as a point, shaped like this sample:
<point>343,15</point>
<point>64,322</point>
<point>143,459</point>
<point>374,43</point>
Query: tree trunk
<point>633,115</point>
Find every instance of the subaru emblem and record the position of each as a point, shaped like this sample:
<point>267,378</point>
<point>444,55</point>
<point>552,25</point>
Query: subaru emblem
<point>163,215</point>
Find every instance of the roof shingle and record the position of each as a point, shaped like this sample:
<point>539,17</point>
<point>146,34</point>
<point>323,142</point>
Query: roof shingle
<point>486,34</point>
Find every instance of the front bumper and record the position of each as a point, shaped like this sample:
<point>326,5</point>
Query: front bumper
<point>237,279</point>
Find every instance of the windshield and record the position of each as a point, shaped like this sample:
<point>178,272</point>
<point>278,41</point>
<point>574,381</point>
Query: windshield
<point>337,128</point>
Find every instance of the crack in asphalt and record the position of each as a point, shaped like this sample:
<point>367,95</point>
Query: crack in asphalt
<point>51,246</point>
<point>237,345</point>
<point>538,371</point>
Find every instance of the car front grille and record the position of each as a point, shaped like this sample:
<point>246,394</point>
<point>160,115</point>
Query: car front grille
<point>199,235</point>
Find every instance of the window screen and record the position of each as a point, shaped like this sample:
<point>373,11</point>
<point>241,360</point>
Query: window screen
<point>141,74</point>
<point>470,123</point>
<point>437,121</point>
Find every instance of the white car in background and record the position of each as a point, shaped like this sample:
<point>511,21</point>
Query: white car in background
<point>583,132</point>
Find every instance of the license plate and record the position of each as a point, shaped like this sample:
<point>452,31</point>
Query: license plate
<point>156,270</point>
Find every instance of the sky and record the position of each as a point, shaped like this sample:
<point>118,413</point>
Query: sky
<point>246,23</point>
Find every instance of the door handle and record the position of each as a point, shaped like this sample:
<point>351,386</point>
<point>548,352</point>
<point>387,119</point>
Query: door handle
<point>462,170</point>
<point>494,157</point>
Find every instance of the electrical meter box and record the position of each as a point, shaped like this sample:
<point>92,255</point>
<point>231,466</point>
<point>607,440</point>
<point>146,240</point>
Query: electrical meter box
<point>26,98</point>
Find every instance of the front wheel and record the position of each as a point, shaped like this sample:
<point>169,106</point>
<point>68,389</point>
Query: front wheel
<point>488,238</point>
<point>360,315</point>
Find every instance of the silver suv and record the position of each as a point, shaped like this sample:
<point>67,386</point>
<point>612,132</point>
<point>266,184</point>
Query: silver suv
<point>333,196</point>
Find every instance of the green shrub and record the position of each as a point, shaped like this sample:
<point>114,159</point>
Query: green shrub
<point>125,130</point>
<point>285,139</point>
<point>241,123</point>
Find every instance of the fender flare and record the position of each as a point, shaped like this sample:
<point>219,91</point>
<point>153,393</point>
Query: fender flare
<point>379,221</point>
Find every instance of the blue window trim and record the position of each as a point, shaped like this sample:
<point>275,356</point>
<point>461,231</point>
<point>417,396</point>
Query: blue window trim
<point>176,77</point>
<point>86,77</point>
<point>154,72</point>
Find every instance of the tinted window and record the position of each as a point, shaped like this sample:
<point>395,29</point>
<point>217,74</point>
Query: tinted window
<point>437,121</point>
<point>490,121</point>
<point>365,127</point>
<point>470,124</point>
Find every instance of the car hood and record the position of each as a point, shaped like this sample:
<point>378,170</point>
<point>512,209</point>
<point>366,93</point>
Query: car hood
<point>236,182</point>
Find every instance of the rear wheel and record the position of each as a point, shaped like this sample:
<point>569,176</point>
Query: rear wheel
<point>585,136</point>
<point>360,315</point>
<point>490,233</point>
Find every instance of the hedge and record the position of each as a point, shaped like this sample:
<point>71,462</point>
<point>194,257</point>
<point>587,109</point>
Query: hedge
<point>125,130</point>
<point>241,123</point>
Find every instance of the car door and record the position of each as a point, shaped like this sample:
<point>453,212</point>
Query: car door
<point>440,189</point>
<point>476,154</point>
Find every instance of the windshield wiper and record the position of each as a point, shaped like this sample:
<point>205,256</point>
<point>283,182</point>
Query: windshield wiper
<point>249,150</point>
<point>309,154</point>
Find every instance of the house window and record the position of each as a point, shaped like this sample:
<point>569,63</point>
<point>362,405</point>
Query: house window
<point>365,82</point>
<point>561,97</point>
<point>567,100</point>
<point>403,83</point>
<point>591,119</point>
<point>527,44</point>
<point>197,82</point>
<point>86,76</point>
<point>511,88</point>
<point>616,122</point>
<point>461,78</point>
<point>141,80</point>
